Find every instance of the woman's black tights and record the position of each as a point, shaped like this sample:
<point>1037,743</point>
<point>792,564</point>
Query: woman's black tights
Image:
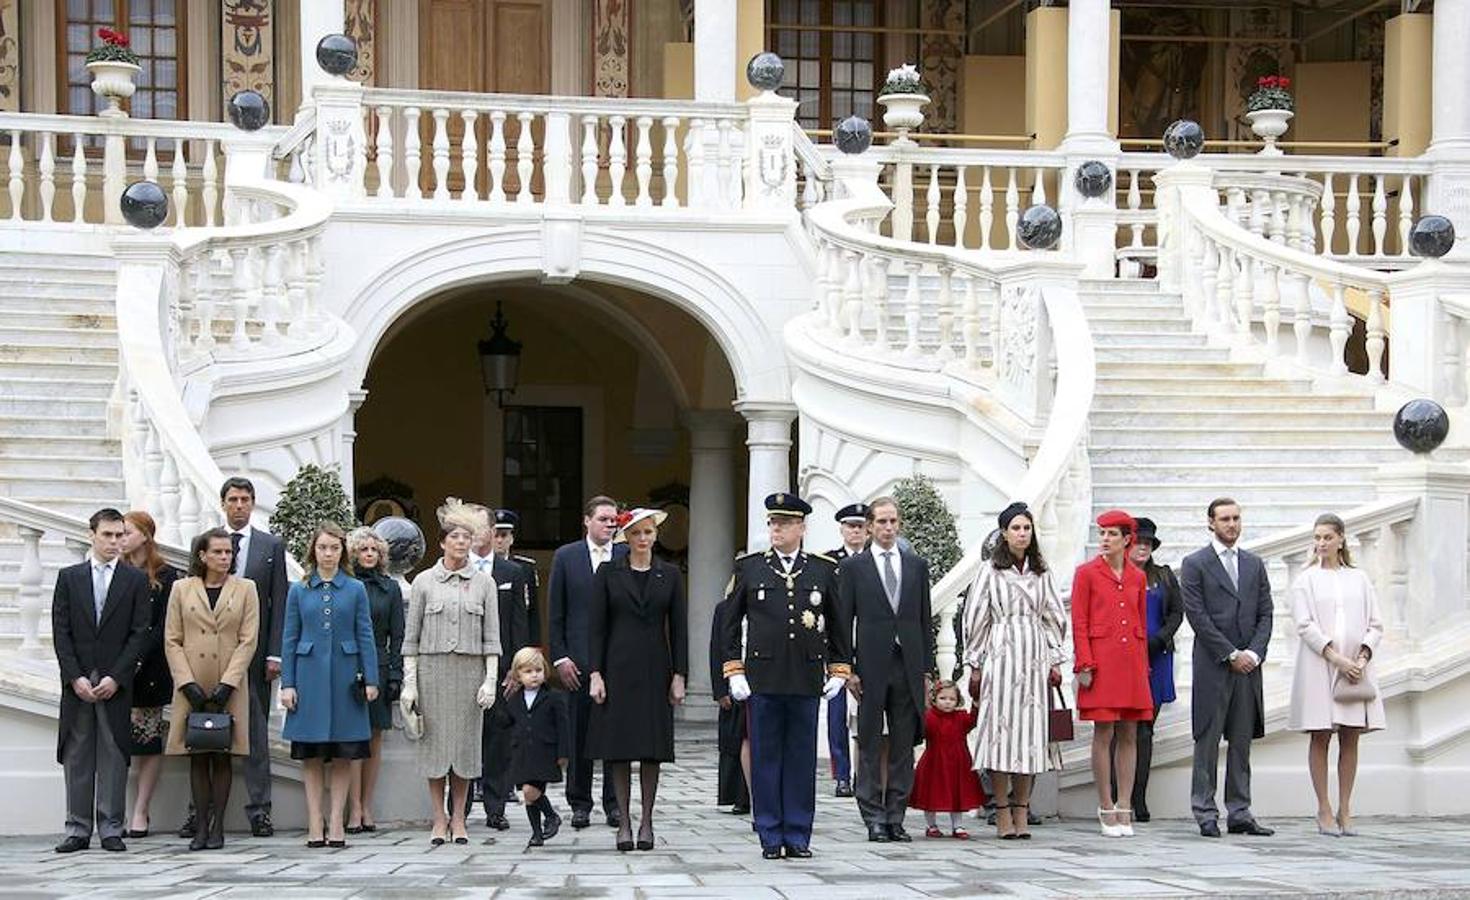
<point>209,778</point>
<point>621,774</point>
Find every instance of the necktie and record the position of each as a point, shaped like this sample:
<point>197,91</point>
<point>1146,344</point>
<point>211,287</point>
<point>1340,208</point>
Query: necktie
<point>1232,568</point>
<point>99,590</point>
<point>235,553</point>
<point>786,563</point>
<point>890,580</point>
<point>597,554</point>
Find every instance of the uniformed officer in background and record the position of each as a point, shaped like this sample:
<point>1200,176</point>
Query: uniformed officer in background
<point>852,522</point>
<point>505,538</point>
<point>785,597</point>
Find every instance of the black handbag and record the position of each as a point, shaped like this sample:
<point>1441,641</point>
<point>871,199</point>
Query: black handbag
<point>209,732</point>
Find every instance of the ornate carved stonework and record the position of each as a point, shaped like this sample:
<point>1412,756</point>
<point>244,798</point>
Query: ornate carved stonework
<point>247,42</point>
<point>360,17</point>
<point>939,60</point>
<point>10,55</point>
<point>611,52</point>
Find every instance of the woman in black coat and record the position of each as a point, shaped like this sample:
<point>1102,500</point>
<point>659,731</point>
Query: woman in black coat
<point>153,685</point>
<point>638,653</point>
<point>369,554</point>
<point>1165,613</point>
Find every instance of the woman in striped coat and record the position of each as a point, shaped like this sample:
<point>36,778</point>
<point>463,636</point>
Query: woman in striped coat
<point>1015,640</point>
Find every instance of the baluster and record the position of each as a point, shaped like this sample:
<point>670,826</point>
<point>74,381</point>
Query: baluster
<point>1452,357</point>
<point>644,165</point>
<point>1209,277</point>
<point>1278,217</point>
<point>168,498</point>
<point>1135,206</point>
<point>296,310</point>
<point>273,294</point>
<point>412,153</point>
<point>496,156</point>
<point>852,296</point>
<point>1244,295</point>
<point>1270,296</point>
<point>730,172</point>
<point>1301,315</point>
<point>961,206</point>
<point>1257,211</point>
<point>204,305</point>
<point>1038,187</point>
<point>152,474</point>
<point>239,296</point>
<point>671,164</point>
<point>694,149</point>
<point>209,187</point>
<point>987,208</point>
<point>1380,215</point>
<point>945,651</point>
<point>931,207</point>
<point>971,328</point>
<point>823,273</point>
<point>1297,236</point>
<point>946,313</point>
<point>78,180</point>
<point>17,176</point>
<point>150,160</point>
<point>911,310</point>
<point>879,282</point>
<point>188,510</point>
<point>179,174</point>
<point>469,155</point>
<point>385,152</point>
<point>902,219</point>
<point>1328,213</point>
<point>1398,581</point>
<point>1367,556</point>
<point>617,160</point>
<point>315,264</point>
<point>440,150</point>
<point>1191,290</point>
<point>525,157</point>
<point>1354,219</point>
<point>1013,208</point>
<point>589,154</point>
<point>836,279</point>
<point>1377,336</point>
<point>29,597</point>
<point>1341,325</point>
<point>1224,287</point>
<point>47,169</point>
<point>1406,214</point>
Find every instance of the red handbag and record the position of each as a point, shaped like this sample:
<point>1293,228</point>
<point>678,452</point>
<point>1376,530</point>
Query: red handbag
<point>1058,717</point>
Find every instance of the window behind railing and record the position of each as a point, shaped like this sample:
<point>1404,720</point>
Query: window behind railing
<point>542,475</point>
<point>156,31</point>
<point>832,50</point>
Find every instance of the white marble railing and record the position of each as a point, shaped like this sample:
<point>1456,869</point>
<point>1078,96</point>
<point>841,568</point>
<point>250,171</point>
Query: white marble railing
<point>73,169</point>
<point>502,148</point>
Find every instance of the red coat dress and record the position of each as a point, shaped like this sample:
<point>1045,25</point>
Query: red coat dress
<point>1110,637</point>
<point>945,780</point>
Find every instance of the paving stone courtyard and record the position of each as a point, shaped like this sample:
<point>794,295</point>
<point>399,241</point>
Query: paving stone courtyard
<point>705,853</point>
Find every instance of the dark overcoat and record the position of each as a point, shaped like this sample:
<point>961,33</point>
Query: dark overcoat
<point>539,736</point>
<point>513,599</point>
<point>154,684</point>
<point>385,603</point>
<point>569,593</point>
<point>1224,619</point>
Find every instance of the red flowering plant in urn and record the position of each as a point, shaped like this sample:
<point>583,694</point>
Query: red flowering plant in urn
<point>115,47</point>
<point>1272,92</point>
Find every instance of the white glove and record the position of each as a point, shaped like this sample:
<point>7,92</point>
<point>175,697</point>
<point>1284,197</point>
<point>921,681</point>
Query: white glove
<point>410,692</point>
<point>833,687</point>
<point>490,689</point>
<point>739,688</point>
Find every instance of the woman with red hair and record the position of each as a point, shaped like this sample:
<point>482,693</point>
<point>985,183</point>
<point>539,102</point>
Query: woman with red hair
<point>153,686</point>
<point>1110,640</point>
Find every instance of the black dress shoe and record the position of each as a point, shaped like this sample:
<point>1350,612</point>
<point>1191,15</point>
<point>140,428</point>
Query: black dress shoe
<point>1209,829</point>
<point>550,825</point>
<point>843,789</point>
<point>261,826</point>
<point>73,844</point>
<point>581,819</point>
<point>878,834</point>
<point>499,822</point>
<point>798,852</point>
<point>535,841</point>
<point>614,819</point>
<point>770,853</point>
<point>896,833</point>
<point>199,842</point>
<point>316,845</point>
<point>191,825</point>
<point>338,845</point>
<point>740,809</point>
<point>1140,814</point>
<point>1251,827</point>
<point>114,844</point>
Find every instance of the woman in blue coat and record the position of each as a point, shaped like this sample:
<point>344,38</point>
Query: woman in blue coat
<point>327,650</point>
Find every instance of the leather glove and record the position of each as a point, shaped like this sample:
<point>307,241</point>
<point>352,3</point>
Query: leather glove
<point>833,687</point>
<point>221,695</point>
<point>739,687</point>
<point>195,695</point>
<point>393,691</point>
<point>490,688</point>
<point>1155,646</point>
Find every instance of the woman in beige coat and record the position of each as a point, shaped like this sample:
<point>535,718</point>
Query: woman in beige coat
<point>1336,613</point>
<point>209,639</point>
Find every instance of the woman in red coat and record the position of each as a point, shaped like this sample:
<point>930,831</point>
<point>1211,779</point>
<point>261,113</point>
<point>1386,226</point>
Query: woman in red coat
<point>1110,640</point>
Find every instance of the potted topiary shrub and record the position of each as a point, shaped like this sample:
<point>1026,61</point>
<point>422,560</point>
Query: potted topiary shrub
<point>929,527</point>
<point>903,100</point>
<point>313,495</point>
<point>113,65</point>
<point>1269,110</point>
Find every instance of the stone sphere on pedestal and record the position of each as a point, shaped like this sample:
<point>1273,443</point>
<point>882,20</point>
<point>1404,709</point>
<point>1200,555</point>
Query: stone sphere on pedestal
<point>249,111</point>
<point>144,205</point>
<point>765,71</point>
<point>1184,139</point>
<point>853,135</point>
<point>1039,227</point>
<point>1093,179</point>
<point>1432,236</point>
<point>987,548</point>
<point>336,54</point>
<point>1421,425</point>
<point>405,543</point>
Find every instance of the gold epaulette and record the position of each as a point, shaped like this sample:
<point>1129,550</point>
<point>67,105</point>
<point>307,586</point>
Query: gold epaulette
<point>748,554</point>
<point>839,670</point>
<point>734,667</point>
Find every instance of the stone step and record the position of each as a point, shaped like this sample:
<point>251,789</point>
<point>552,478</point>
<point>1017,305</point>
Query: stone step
<point>40,465</point>
<point>59,385</point>
<point>74,488</point>
<point>47,315</point>
<point>1108,337</point>
<point>1203,416</point>
<point>1154,385</point>
<point>1232,473</point>
<point>60,444</point>
<point>1138,324</point>
<point>66,505</point>
<point>95,365</point>
<point>1348,492</point>
<point>82,335</point>
<point>12,426</point>
<point>1145,401</point>
<point>1098,315</point>
<point>1242,436</point>
<point>1092,286</point>
<point>1208,452</point>
<point>1161,354</point>
<point>37,283</point>
<point>55,352</point>
<point>52,261</point>
<point>12,404</point>
<point>1179,368</point>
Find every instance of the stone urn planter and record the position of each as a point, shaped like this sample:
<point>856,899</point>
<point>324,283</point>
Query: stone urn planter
<point>112,80</point>
<point>1268,125</point>
<point>903,112</point>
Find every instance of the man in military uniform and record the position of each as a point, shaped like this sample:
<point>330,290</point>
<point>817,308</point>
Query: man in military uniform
<point>784,596</point>
<point>852,521</point>
<point>505,538</point>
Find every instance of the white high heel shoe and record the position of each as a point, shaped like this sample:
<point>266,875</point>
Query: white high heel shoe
<point>1108,830</point>
<point>1125,827</point>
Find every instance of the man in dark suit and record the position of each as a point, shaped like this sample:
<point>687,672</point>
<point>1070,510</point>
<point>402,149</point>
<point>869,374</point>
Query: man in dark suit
<point>572,568</point>
<point>852,522</point>
<point>261,557</point>
<point>885,589</point>
<point>1227,599</point>
<point>787,658</point>
<point>513,588</point>
<point>732,786</point>
<point>99,627</point>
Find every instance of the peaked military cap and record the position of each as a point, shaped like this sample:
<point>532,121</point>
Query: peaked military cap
<point>852,513</point>
<point>784,504</point>
<point>507,519</point>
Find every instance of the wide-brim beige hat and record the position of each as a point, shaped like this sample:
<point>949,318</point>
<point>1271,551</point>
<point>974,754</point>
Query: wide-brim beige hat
<point>632,517</point>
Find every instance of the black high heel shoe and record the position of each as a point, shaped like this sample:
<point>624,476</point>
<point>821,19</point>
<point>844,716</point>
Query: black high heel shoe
<point>625,838</point>
<point>645,843</point>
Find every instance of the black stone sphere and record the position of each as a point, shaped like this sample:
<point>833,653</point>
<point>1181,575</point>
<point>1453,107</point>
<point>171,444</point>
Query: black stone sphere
<point>249,111</point>
<point>765,71</point>
<point>853,135</point>
<point>1421,425</point>
<point>405,543</point>
<point>992,540</point>
<point>1184,139</point>
<point>144,205</point>
<point>1432,236</point>
<point>1093,178</point>
<point>1039,227</point>
<point>336,54</point>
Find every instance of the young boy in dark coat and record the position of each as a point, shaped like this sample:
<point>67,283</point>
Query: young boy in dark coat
<point>538,722</point>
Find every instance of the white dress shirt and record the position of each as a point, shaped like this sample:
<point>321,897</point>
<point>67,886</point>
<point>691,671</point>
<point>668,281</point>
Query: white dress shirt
<point>593,549</point>
<point>1232,568</point>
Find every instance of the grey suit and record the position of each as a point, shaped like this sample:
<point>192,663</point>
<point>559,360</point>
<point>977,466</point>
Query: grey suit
<point>1225,618</point>
<point>265,565</point>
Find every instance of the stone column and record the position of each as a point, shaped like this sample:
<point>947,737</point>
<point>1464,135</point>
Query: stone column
<point>1449,144</point>
<point>715,31</point>
<point>355,399</point>
<point>1089,39</point>
<point>769,443</point>
<point>317,20</point>
<point>712,538</point>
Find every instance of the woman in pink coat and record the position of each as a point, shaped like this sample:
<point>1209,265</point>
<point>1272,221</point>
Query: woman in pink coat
<point>1336,613</point>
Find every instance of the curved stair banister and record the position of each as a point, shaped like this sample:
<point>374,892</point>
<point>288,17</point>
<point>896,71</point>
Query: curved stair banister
<point>1038,287</point>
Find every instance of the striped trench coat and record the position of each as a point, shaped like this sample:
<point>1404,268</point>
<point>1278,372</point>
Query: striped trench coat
<point>1015,631</point>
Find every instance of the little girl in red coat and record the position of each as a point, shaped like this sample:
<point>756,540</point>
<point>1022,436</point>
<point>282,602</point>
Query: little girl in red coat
<point>945,779</point>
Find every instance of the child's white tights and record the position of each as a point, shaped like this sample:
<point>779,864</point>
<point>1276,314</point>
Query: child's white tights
<point>931,819</point>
